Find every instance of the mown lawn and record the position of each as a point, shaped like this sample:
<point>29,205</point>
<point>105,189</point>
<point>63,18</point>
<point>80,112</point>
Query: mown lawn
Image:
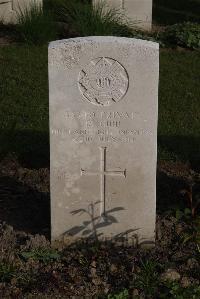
<point>24,105</point>
<point>179,106</point>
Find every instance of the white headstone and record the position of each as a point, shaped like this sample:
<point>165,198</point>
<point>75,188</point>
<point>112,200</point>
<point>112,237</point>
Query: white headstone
<point>10,9</point>
<point>138,11</point>
<point>5,11</point>
<point>103,134</point>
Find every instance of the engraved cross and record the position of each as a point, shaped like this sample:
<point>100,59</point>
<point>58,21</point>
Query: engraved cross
<point>102,173</point>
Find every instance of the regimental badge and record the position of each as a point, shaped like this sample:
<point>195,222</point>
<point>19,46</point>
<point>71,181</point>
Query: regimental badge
<point>104,81</point>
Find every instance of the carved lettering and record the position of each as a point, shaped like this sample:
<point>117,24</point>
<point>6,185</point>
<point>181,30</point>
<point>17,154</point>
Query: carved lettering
<point>99,115</point>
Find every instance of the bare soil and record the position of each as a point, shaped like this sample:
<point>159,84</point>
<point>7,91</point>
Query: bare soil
<point>85,269</point>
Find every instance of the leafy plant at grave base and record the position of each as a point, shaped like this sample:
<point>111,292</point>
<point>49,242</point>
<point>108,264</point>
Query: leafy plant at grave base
<point>174,290</point>
<point>41,254</point>
<point>95,247</point>
<point>150,36</point>
<point>7,272</point>
<point>35,25</point>
<point>88,20</point>
<point>122,295</point>
<point>83,260</point>
<point>194,233</point>
<point>184,35</point>
<point>191,215</point>
<point>147,280</point>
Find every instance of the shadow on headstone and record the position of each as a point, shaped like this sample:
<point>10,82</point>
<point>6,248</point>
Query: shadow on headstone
<point>90,229</point>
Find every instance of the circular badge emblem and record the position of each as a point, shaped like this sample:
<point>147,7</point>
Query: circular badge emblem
<point>104,81</point>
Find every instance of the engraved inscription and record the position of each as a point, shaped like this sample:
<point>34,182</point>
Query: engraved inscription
<point>103,82</point>
<point>102,127</point>
<point>103,172</point>
<point>99,114</point>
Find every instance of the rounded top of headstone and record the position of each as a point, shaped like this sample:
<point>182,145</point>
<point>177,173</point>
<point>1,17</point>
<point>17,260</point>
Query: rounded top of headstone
<point>104,39</point>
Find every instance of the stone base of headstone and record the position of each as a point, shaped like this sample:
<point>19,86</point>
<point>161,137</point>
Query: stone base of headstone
<point>138,12</point>
<point>10,10</point>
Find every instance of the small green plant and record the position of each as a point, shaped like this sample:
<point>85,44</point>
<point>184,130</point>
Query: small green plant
<point>193,234</point>
<point>173,290</point>
<point>40,254</point>
<point>35,25</point>
<point>122,295</point>
<point>147,279</point>
<point>185,214</point>
<point>7,272</point>
<point>184,35</point>
<point>190,214</point>
<point>88,20</point>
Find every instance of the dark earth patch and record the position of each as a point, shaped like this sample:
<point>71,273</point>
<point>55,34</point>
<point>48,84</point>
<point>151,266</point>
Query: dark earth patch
<point>30,268</point>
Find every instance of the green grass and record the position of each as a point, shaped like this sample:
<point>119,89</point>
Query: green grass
<point>40,254</point>
<point>24,105</point>
<point>87,20</point>
<point>36,25</point>
<point>179,106</point>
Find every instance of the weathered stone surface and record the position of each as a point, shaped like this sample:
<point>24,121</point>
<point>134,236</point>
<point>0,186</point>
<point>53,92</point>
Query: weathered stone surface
<point>9,9</point>
<point>5,10</point>
<point>103,132</point>
<point>138,11</point>
<point>25,4</point>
